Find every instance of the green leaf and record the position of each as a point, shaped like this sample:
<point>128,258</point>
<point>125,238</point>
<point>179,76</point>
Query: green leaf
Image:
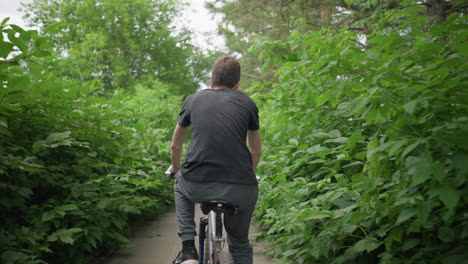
<point>38,145</point>
<point>45,249</point>
<point>358,178</point>
<point>54,137</point>
<point>36,69</point>
<point>420,168</point>
<point>41,53</point>
<point>17,28</point>
<point>410,106</point>
<point>409,244</point>
<point>322,99</point>
<point>462,48</point>
<point>91,241</point>
<point>359,104</point>
<point>64,235</point>
<point>355,138</point>
<point>67,239</point>
<point>103,203</point>
<point>406,2</point>
<point>68,207</point>
<point>290,252</point>
<point>364,245</point>
<point>455,259</point>
<point>20,43</point>
<point>446,234</point>
<point>75,230</point>
<point>19,83</point>
<point>460,161</point>
<point>293,141</point>
<point>396,147</point>
<point>394,235</point>
<point>4,21</point>
<point>447,194</point>
<point>439,172</point>
<point>409,149</point>
<point>349,228</point>
<point>361,155</point>
<point>47,216</point>
<point>337,140</point>
<point>316,148</point>
<point>5,49</point>
<point>24,191</point>
<point>424,211</point>
<point>334,133</point>
<point>459,2</point>
<point>406,214</point>
<point>14,257</point>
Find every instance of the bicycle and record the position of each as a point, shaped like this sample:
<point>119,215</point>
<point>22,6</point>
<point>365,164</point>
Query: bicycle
<point>211,240</point>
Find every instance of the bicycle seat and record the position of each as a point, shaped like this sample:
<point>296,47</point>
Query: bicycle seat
<point>218,207</point>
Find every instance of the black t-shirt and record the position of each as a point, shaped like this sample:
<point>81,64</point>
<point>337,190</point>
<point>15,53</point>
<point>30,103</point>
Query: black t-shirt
<point>218,151</point>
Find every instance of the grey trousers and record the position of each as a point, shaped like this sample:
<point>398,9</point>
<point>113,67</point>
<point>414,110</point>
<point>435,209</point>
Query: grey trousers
<point>237,225</point>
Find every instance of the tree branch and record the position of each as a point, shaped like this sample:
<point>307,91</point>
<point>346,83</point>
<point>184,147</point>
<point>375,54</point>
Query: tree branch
<point>458,7</point>
<point>264,29</point>
<point>359,43</point>
<point>252,76</point>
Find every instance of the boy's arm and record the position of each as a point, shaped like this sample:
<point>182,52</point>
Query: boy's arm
<point>178,138</point>
<point>255,144</point>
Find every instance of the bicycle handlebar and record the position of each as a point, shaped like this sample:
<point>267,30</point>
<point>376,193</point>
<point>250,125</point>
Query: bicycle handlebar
<point>169,174</point>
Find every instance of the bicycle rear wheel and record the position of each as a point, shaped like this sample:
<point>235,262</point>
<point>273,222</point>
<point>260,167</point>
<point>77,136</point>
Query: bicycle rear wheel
<point>207,253</point>
<point>225,258</point>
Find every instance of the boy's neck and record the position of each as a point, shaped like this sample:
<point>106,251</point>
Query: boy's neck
<point>221,87</point>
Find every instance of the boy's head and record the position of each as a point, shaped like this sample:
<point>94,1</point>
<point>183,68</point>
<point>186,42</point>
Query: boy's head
<point>225,73</point>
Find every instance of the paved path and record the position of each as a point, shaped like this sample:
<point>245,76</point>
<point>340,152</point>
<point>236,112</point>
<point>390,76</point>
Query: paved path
<point>156,242</point>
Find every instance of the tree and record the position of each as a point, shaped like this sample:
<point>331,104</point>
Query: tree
<point>119,42</point>
<point>248,23</point>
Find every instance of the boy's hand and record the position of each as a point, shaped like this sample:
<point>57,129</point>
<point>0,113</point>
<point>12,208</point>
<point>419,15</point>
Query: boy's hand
<point>175,170</point>
<point>170,172</point>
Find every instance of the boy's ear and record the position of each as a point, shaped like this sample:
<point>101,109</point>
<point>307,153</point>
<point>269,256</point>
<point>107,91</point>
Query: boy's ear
<point>236,86</point>
<point>211,84</point>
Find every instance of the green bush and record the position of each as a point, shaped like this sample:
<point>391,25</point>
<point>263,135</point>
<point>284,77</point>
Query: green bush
<point>365,147</point>
<point>75,168</point>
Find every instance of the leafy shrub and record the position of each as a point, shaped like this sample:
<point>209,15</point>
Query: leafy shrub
<point>75,168</point>
<point>366,148</point>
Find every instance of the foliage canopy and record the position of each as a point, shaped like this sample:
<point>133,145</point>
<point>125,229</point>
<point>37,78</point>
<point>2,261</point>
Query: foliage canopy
<point>364,116</point>
<point>365,145</point>
<point>76,169</point>
<point>119,42</point>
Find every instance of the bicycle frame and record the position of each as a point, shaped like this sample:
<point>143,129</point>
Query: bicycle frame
<point>212,240</point>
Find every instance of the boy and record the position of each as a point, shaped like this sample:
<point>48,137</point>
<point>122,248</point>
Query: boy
<point>219,165</point>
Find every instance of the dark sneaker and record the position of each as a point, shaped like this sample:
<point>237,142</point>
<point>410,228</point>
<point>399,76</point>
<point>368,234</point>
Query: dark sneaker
<point>189,257</point>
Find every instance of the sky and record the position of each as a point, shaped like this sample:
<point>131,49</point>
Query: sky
<point>195,16</point>
<point>203,24</point>
<point>9,8</point>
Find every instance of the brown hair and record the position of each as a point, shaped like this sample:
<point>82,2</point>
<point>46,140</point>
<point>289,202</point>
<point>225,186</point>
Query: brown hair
<point>226,72</point>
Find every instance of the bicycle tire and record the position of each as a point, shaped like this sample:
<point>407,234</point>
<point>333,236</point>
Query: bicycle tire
<point>225,258</point>
<point>206,252</point>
